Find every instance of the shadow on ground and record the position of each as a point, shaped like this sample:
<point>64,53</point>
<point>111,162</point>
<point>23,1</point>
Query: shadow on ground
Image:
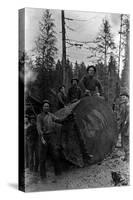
<point>13,185</point>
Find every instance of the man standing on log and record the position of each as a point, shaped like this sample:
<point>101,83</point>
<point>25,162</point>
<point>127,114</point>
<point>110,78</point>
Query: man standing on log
<point>90,83</point>
<point>48,139</point>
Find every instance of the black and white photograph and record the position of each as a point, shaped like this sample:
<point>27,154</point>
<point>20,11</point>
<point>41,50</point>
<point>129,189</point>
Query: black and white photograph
<point>74,99</point>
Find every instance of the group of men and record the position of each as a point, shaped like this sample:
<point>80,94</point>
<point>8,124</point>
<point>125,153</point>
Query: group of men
<point>41,137</point>
<point>41,141</point>
<point>90,85</point>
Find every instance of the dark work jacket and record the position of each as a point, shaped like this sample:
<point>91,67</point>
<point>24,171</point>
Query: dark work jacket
<point>124,118</point>
<point>61,100</point>
<point>91,84</point>
<point>74,93</point>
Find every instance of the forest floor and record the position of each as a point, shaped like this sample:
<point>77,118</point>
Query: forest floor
<point>93,176</point>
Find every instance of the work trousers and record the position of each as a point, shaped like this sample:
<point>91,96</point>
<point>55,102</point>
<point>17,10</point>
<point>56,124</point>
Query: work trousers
<point>126,147</point>
<point>33,156</point>
<point>51,148</point>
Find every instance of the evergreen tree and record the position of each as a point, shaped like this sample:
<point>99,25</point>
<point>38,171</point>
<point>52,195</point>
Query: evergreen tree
<point>82,70</point>
<point>45,49</point>
<point>125,39</point>
<point>46,41</point>
<point>59,73</point>
<point>112,79</point>
<point>105,42</point>
<point>112,66</point>
<point>69,72</point>
<point>76,69</point>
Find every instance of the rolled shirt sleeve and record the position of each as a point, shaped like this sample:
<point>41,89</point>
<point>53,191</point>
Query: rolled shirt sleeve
<point>56,119</point>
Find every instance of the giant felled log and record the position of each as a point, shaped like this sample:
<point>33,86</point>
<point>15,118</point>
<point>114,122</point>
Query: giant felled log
<point>92,132</point>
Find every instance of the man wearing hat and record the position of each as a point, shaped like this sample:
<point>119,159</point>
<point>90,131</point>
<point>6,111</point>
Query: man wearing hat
<point>48,139</point>
<point>124,121</point>
<point>32,140</point>
<point>90,83</point>
<point>74,92</point>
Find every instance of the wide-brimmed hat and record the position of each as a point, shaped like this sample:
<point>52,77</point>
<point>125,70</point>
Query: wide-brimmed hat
<point>91,66</point>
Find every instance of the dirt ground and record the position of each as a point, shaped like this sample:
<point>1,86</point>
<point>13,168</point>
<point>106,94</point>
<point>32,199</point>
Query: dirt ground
<point>93,176</point>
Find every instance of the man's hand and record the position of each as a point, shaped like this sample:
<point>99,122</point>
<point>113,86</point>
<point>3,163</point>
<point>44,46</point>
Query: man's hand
<point>102,97</point>
<point>70,117</point>
<point>43,141</point>
<point>87,92</point>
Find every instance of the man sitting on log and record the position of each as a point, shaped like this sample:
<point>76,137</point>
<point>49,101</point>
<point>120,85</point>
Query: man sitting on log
<point>74,92</point>
<point>61,97</point>
<point>90,83</point>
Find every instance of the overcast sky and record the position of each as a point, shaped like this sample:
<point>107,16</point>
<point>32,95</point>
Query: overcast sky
<point>85,30</point>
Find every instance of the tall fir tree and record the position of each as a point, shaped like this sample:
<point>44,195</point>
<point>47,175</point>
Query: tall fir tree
<point>45,51</point>
<point>46,42</point>
<point>59,72</point>
<point>82,70</point>
<point>105,42</point>
<point>113,79</point>
<point>125,39</point>
<point>76,69</point>
<point>69,71</point>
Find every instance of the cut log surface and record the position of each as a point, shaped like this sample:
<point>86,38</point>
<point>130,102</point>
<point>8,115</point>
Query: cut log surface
<point>92,133</point>
<point>64,112</point>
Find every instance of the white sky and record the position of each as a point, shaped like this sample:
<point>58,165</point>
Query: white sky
<point>84,30</point>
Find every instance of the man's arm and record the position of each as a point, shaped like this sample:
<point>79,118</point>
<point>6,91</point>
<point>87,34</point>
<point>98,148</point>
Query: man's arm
<point>62,120</point>
<point>56,119</point>
<point>28,132</point>
<point>127,114</point>
<point>69,95</point>
<point>60,99</point>
<point>84,86</point>
<point>98,84</point>
<point>79,93</point>
<point>39,129</point>
<point>122,113</point>
<point>82,82</point>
